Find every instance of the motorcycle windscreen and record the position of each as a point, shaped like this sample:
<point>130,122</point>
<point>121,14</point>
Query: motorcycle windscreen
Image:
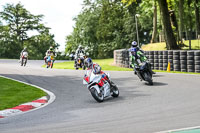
<point>84,82</point>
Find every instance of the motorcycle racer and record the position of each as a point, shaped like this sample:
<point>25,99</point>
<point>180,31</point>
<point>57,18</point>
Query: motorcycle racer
<point>98,82</point>
<point>22,52</point>
<point>78,51</point>
<point>137,57</point>
<point>95,68</point>
<point>77,54</point>
<point>135,45</point>
<point>50,53</point>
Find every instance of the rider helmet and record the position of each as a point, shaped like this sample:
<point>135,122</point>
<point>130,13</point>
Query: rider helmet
<point>51,48</point>
<point>25,48</point>
<point>134,44</point>
<point>97,69</point>
<point>88,62</point>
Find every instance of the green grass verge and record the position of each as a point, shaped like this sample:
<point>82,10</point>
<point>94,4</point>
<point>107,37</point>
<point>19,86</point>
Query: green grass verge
<point>162,46</point>
<point>13,93</point>
<point>106,65</point>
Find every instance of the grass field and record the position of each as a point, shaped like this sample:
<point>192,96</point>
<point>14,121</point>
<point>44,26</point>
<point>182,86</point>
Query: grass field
<point>162,46</point>
<point>13,93</point>
<point>106,64</point>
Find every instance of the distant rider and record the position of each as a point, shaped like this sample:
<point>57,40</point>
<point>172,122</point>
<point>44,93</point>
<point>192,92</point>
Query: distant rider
<point>50,52</point>
<point>22,52</point>
<point>77,54</point>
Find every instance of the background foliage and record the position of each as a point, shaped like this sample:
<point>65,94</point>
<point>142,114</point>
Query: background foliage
<point>106,25</point>
<point>18,23</point>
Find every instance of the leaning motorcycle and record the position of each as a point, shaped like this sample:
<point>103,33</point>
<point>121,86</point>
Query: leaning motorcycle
<point>80,62</point>
<point>100,86</point>
<point>24,58</point>
<point>144,73</point>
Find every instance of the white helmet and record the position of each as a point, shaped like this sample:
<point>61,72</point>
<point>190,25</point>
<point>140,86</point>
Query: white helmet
<point>134,44</point>
<point>97,69</point>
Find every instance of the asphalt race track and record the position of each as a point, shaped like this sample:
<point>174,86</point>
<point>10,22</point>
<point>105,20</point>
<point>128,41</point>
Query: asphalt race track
<point>172,102</point>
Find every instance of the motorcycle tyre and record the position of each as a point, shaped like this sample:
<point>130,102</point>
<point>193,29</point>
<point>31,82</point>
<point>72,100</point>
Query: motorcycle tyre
<point>96,96</point>
<point>52,65</point>
<point>25,62</point>
<point>84,67</point>
<point>148,78</point>
<point>115,90</point>
<point>22,62</point>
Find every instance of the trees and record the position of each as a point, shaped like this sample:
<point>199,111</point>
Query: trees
<point>197,19</point>
<point>20,21</point>
<point>181,13</point>
<point>14,35</point>
<point>154,34</point>
<point>105,25</point>
<point>169,35</point>
<point>102,27</point>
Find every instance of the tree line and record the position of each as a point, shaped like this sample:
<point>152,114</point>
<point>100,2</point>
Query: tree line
<point>106,25</point>
<point>102,26</point>
<point>16,23</point>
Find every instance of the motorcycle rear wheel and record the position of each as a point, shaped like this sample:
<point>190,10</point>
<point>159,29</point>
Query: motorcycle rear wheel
<point>98,97</point>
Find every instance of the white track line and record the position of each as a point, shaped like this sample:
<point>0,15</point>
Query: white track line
<point>52,97</point>
<point>181,129</point>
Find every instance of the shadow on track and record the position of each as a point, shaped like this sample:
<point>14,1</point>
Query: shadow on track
<point>156,75</point>
<point>155,84</point>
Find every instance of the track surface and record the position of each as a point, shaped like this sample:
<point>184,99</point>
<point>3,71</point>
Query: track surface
<point>173,102</point>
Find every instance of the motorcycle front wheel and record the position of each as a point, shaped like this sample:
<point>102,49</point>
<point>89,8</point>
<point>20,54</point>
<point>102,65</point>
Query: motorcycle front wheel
<point>148,78</point>
<point>52,64</point>
<point>98,97</point>
<point>115,90</point>
<point>22,62</point>
<point>25,62</point>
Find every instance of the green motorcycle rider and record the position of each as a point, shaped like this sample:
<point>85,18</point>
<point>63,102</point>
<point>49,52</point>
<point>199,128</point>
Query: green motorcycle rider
<point>137,58</point>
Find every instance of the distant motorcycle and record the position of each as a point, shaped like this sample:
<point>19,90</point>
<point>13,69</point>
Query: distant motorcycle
<point>144,73</point>
<point>24,58</point>
<point>80,62</point>
<point>50,61</point>
<point>100,86</point>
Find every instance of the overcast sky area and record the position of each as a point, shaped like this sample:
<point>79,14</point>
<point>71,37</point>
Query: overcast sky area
<point>58,15</point>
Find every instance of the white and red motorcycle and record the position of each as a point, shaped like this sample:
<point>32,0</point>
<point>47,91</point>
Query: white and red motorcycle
<point>100,85</point>
<point>24,58</point>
